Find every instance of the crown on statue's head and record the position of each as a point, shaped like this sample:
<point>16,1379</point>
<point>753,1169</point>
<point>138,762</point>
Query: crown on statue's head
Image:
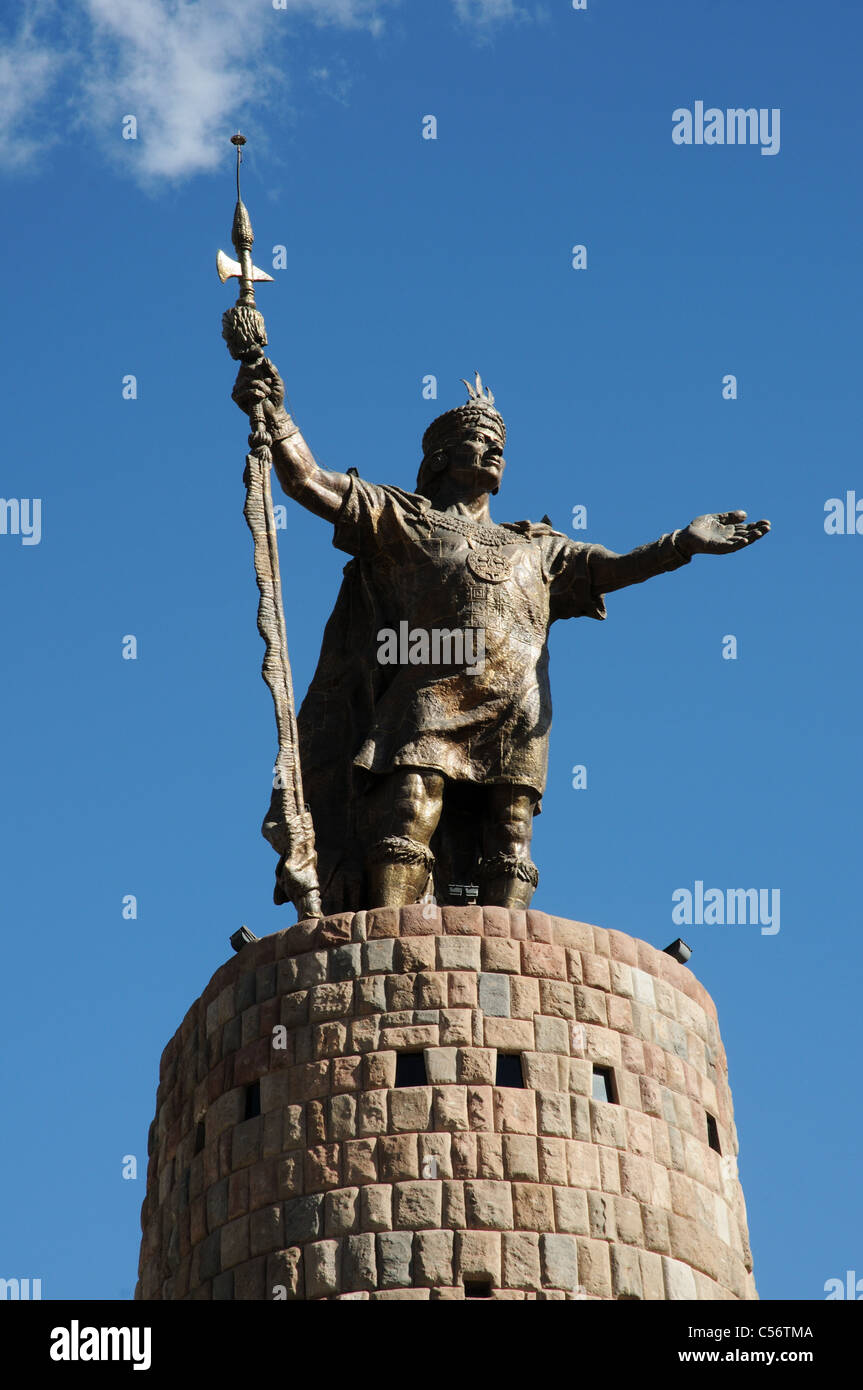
<point>478,411</point>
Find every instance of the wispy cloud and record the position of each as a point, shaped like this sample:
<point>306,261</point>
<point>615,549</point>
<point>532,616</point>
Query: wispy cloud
<point>484,12</point>
<point>185,70</point>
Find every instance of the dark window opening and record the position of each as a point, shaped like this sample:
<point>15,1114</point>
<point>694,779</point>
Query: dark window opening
<point>253,1100</point>
<point>509,1072</point>
<point>603,1084</point>
<point>477,1288</point>
<point>200,1136</point>
<point>713,1133</point>
<point>411,1069</point>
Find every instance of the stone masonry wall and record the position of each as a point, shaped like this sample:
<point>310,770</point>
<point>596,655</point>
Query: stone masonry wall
<point>346,1186</point>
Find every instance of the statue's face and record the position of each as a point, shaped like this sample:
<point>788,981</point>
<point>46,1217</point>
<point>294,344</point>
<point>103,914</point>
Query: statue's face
<point>477,461</point>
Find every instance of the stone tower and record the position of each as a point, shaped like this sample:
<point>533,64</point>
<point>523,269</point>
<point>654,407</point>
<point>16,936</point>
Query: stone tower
<point>426,1103</point>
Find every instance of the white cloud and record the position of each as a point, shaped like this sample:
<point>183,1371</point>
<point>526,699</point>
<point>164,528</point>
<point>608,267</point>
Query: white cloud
<point>29,71</point>
<point>479,12</point>
<point>186,69</point>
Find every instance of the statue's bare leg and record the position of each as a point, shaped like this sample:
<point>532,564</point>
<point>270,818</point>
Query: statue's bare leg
<point>405,813</point>
<point>508,877</point>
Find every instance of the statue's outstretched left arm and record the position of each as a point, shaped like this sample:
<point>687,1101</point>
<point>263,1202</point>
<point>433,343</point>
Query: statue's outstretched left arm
<point>717,533</point>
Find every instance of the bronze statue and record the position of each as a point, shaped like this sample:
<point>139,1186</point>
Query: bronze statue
<point>424,735</point>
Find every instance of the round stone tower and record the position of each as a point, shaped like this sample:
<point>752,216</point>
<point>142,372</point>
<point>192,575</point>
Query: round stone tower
<point>448,1103</point>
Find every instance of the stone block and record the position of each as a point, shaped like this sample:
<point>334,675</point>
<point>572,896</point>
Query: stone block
<point>458,953</point>
<point>583,1163</point>
<point>652,1283</point>
<point>417,1205</point>
<point>410,1039</point>
<point>462,991</point>
<point>378,956</point>
<point>235,1248</point>
<point>580,1112</point>
<point>360,1161</point>
<point>508,1034</point>
<point>679,1280</point>
<point>455,1027</point>
<point>250,1280</point>
<point>499,954</point>
<point>415,953</point>
<point>346,962</point>
<point>655,1224</point>
<point>394,1251</point>
<point>435,1156</point>
<point>523,997</point>
<point>520,1157</point>
<point>532,1206</point>
<point>382,921</point>
<point>559,1259</point>
<point>450,1107</point>
<point>398,1157</point>
<point>480,1108</point>
<point>556,999</point>
<point>290,1175</point>
<point>554,1113</point>
<point>570,1211</point>
<point>464,1155</point>
<point>431,991</point>
<point>594,1267</point>
<point>609,1168</point>
<point>265,1230</point>
<point>371,995</point>
<point>478,1256</point>
<point>323,1167</point>
<point>514,1110</point>
<point>311,969</point>
<point>543,961</point>
<point>363,1034</point>
<point>343,1117</point>
<point>410,1108</point>
<point>284,1279</point>
<point>489,1157</point>
<point>551,1034</point>
<point>608,1124</point>
<point>462,921</point>
<point>521,1265</point>
<point>453,1202</point>
<point>346,1073</point>
<point>626,1273</point>
<point>433,1255</point>
<point>493,994</point>
<point>376,1207</point>
<point>628,1221</point>
<point>488,1205</point>
<point>619,1013</point>
<point>496,922</point>
<point>372,1112</point>
<point>359,1265</point>
<point>321,1262</point>
<point>441,1062</point>
<point>342,1211</point>
<point>246,1143</point>
<point>600,1210</point>
<point>400,993</point>
<point>552,1160</point>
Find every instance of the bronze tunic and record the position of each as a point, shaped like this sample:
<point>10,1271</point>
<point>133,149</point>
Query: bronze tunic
<point>439,571</point>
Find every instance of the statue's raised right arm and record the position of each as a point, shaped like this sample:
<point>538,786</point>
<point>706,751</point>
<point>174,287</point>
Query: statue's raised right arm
<point>299,475</point>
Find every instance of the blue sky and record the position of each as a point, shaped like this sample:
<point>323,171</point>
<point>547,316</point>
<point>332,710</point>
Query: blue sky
<point>408,257</point>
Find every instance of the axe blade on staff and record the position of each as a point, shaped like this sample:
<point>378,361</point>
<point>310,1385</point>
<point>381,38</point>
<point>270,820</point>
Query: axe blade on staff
<point>288,824</point>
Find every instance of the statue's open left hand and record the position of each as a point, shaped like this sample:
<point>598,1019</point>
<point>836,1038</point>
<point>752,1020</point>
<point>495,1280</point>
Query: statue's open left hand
<point>718,533</point>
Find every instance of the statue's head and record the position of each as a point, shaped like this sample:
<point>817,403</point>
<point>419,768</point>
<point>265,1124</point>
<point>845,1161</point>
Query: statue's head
<point>465,445</point>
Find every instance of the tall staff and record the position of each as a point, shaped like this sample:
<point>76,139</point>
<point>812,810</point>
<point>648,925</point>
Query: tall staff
<point>288,824</point>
